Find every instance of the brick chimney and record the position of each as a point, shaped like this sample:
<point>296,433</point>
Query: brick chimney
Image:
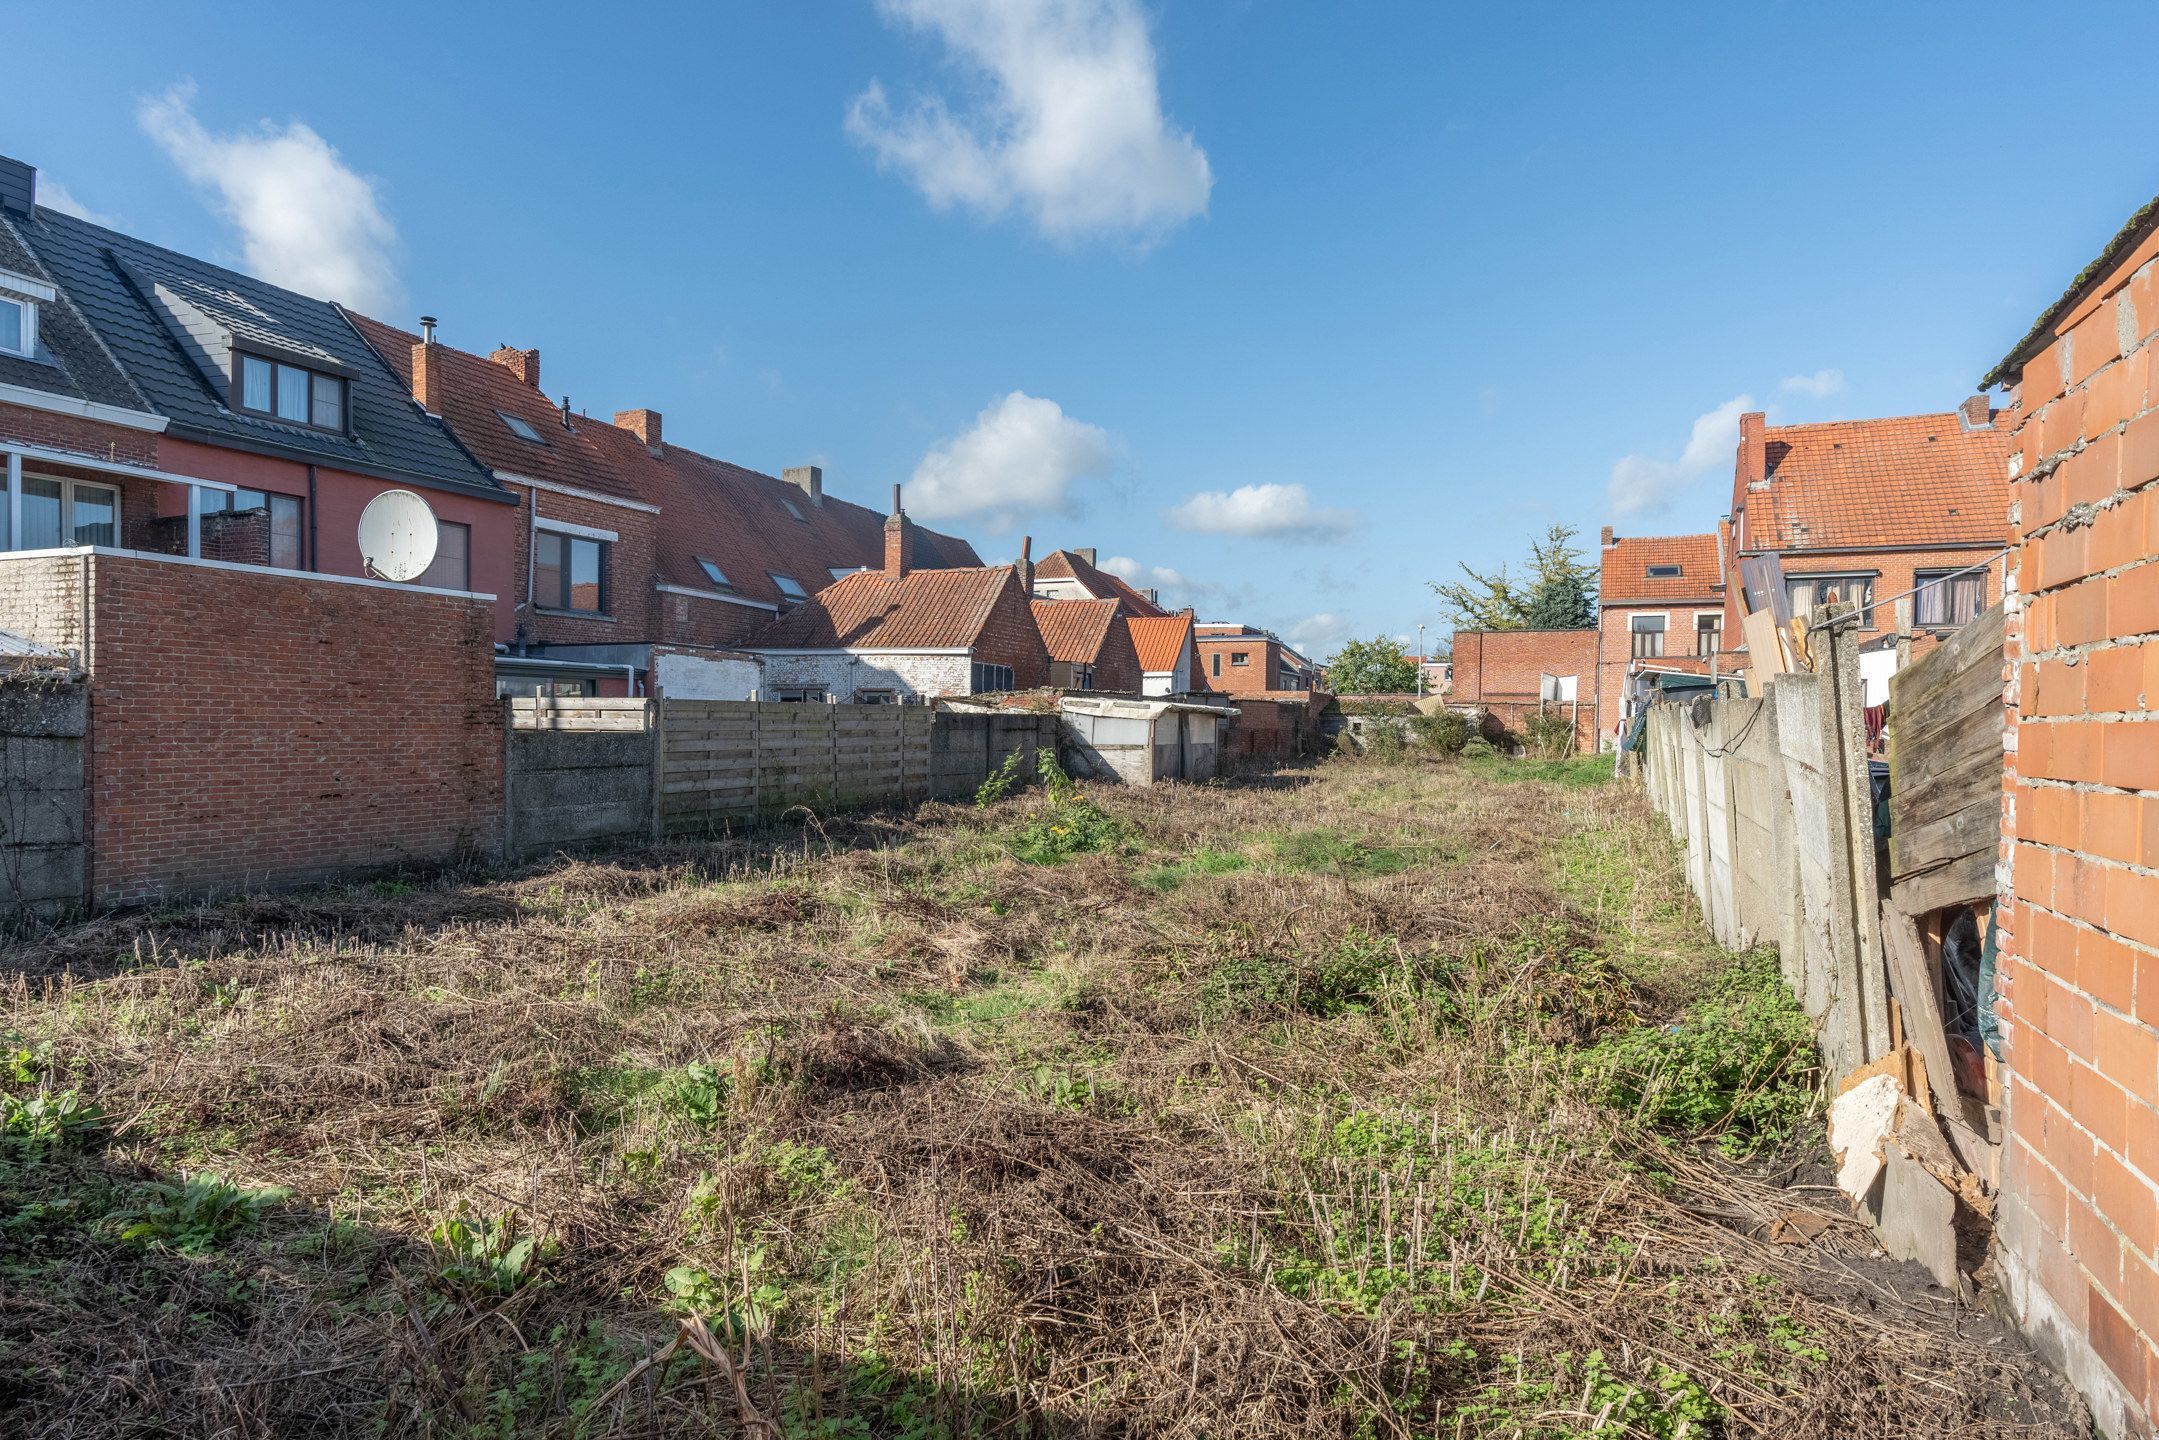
<point>896,542</point>
<point>1026,567</point>
<point>1753,448</point>
<point>428,376</point>
<point>524,364</point>
<point>809,479</point>
<point>644,424</point>
<point>1608,537</point>
<point>1977,413</point>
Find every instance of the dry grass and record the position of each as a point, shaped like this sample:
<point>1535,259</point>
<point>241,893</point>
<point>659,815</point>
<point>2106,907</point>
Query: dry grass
<point>1283,1121</point>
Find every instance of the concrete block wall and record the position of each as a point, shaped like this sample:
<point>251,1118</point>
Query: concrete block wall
<point>2078,923</point>
<point>576,787</point>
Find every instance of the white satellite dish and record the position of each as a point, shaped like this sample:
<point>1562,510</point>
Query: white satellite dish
<point>397,536</point>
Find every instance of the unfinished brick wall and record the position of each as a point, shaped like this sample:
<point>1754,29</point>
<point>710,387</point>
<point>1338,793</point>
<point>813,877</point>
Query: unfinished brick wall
<point>2078,926</point>
<point>1500,669</point>
<point>268,729</point>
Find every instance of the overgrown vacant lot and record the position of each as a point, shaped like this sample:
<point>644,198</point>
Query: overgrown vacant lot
<point>1369,1100</point>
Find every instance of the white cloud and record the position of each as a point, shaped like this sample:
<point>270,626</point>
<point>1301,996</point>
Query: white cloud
<point>1642,484</point>
<point>1021,458</point>
<point>1820,385</point>
<point>1317,637</point>
<point>1261,510</point>
<point>1067,129</point>
<point>306,220</point>
<point>51,192</point>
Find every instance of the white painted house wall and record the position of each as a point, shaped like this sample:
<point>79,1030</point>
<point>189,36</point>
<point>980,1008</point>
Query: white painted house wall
<point>1169,682</point>
<point>911,675</point>
<point>706,677</point>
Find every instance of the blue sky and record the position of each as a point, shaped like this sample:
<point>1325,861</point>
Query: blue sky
<point>1124,273</point>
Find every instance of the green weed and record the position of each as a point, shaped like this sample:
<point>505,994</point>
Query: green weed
<point>1205,861</point>
<point>485,1253</point>
<point>195,1216</point>
<point>1325,849</point>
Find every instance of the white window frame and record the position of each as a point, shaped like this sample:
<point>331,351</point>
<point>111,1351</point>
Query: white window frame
<point>16,475</point>
<point>29,323</point>
<point>27,292</point>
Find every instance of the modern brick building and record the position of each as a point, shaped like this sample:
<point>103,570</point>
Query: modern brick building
<point>1660,605</point>
<point>1239,660</point>
<point>2078,919</point>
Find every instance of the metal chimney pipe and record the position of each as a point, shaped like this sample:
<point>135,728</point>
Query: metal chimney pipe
<point>427,329</point>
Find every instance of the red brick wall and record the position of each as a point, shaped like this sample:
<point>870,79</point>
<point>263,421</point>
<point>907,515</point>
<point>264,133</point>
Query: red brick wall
<point>88,437</point>
<point>1500,669</point>
<point>251,729</point>
<point>2079,921</point>
<point>1618,648</point>
<point>714,624</point>
<point>1117,667</point>
<point>1010,637</point>
<point>1261,672</point>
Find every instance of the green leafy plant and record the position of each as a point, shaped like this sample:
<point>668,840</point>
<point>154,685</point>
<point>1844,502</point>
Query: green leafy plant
<point>1000,783</point>
<point>696,1094</point>
<point>1442,734</point>
<point>1549,734</point>
<point>195,1216</point>
<point>1738,1065</point>
<point>48,1119</point>
<point>1067,823</point>
<point>484,1252</point>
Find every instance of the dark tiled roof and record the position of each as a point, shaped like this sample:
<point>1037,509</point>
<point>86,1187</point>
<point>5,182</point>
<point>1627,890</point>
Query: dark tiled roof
<point>922,610</point>
<point>476,393</point>
<point>69,361</point>
<point>170,319</point>
<point>1064,565</point>
<point>1880,484</point>
<point>1075,630</point>
<point>1160,639</point>
<point>1627,561</point>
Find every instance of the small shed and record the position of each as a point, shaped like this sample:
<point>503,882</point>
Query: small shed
<point>1144,742</point>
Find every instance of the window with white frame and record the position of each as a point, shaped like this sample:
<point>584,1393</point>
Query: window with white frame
<point>18,325</point>
<point>292,393</point>
<point>1647,636</point>
<point>1948,598</point>
<point>57,512</point>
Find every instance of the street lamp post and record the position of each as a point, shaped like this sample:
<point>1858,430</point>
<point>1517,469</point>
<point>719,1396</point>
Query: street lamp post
<point>1420,659</point>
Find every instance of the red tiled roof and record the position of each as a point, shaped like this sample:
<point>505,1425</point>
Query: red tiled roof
<point>1075,630</point>
<point>476,393</point>
<point>1627,561</point>
<point>738,519</point>
<point>1063,564</point>
<point>1880,484</point>
<point>922,610</point>
<point>1160,639</point>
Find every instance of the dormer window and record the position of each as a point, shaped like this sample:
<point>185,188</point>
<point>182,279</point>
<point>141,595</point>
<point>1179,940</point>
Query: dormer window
<point>523,429</point>
<point>788,585</point>
<point>715,574</point>
<point>1665,572</point>
<point>291,393</point>
<point>20,295</point>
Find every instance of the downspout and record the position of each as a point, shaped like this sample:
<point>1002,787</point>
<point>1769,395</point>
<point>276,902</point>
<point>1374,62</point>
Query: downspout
<point>314,555</point>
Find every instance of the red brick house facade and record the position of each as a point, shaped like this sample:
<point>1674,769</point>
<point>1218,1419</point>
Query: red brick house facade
<point>1239,660</point>
<point>1660,604</point>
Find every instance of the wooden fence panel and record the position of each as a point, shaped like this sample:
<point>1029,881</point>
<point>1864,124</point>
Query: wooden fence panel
<point>1946,720</point>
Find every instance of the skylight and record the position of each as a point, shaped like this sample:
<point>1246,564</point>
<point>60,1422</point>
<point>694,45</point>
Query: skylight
<point>792,510</point>
<point>1665,572</point>
<point>841,572</point>
<point>521,428</point>
<point>715,574</point>
<point>789,585</point>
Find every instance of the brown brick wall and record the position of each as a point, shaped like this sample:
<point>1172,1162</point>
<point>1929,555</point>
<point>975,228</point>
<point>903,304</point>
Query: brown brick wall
<point>694,621</point>
<point>1010,637</point>
<point>1617,649</point>
<point>1261,673</point>
<point>253,729</point>
<point>2078,924</point>
<point>69,432</point>
<point>1500,669</point>
<point>1117,667</point>
<point>631,601</point>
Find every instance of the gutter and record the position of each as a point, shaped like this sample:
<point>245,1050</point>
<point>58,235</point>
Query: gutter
<point>221,440</point>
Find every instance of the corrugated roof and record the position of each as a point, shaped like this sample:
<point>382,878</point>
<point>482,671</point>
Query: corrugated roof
<point>1629,559</point>
<point>117,281</point>
<point>922,610</point>
<point>1075,631</point>
<point>1160,640</point>
<point>1880,484</point>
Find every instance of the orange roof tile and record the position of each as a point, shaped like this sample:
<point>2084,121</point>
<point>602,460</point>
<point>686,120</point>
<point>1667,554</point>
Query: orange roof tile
<point>1075,630</point>
<point>922,610</point>
<point>1880,484</point>
<point>1160,639</point>
<point>1630,562</point>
